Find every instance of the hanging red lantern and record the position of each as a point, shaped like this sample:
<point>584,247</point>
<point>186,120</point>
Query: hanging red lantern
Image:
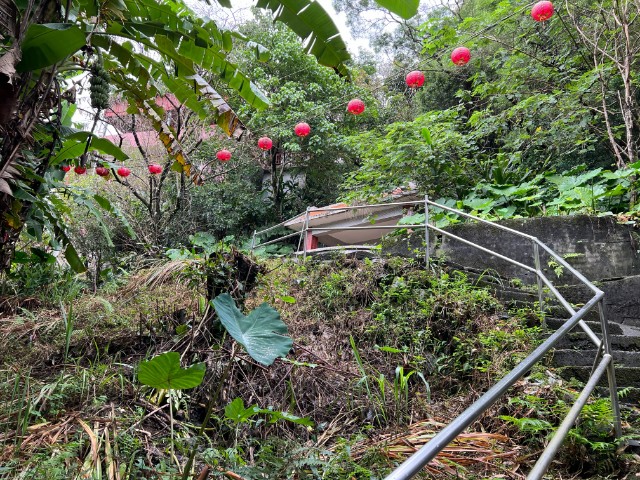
<point>302,129</point>
<point>461,56</point>
<point>265,143</point>
<point>542,11</point>
<point>223,155</point>
<point>415,79</point>
<point>355,106</point>
<point>102,171</point>
<point>123,172</point>
<point>80,170</point>
<point>65,168</point>
<point>155,169</point>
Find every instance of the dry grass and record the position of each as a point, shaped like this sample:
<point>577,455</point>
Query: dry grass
<point>320,379</point>
<point>478,450</point>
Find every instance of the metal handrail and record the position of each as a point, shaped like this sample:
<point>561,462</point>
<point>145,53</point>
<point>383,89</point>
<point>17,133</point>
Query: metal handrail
<point>418,460</point>
<point>422,457</point>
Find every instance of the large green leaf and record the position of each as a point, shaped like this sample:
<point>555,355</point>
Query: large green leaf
<point>262,332</point>
<point>75,262</point>
<point>101,144</point>
<point>49,43</point>
<point>316,27</point>
<point>404,8</point>
<point>75,144</point>
<point>164,372</point>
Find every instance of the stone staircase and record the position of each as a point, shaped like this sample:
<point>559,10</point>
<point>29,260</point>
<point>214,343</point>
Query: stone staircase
<point>604,251</point>
<point>574,355</point>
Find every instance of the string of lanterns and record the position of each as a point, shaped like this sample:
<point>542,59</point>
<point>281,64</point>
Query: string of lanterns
<point>124,172</point>
<point>460,56</point>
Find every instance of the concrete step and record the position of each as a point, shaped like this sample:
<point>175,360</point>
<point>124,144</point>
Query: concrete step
<point>625,376</point>
<point>580,341</point>
<point>558,311</point>
<point>555,323</point>
<point>585,358</point>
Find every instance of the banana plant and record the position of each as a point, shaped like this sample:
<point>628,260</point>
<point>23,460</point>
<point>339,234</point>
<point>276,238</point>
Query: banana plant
<point>143,48</point>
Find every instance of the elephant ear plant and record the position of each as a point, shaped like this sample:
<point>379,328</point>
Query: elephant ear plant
<point>164,372</point>
<point>263,335</point>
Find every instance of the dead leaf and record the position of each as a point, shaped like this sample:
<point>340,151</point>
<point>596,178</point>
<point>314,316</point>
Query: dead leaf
<point>5,188</point>
<point>8,63</point>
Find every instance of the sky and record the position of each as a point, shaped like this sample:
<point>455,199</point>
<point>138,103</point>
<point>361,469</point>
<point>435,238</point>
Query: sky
<point>241,8</point>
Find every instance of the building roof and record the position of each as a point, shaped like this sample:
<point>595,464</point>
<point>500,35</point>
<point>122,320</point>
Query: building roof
<point>331,224</point>
<point>168,103</point>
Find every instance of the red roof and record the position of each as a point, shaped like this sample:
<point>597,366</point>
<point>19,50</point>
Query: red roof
<point>149,138</point>
<point>167,102</point>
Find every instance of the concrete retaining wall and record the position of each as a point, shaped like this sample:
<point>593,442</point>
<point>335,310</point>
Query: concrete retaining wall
<point>604,251</point>
<point>598,247</point>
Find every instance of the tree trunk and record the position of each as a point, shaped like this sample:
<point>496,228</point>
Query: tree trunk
<point>27,99</point>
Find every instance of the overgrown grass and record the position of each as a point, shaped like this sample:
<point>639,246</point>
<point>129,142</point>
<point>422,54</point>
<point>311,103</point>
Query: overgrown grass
<point>383,353</point>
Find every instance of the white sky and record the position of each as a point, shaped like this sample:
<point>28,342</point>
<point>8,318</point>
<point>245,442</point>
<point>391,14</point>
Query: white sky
<point>241,9</point>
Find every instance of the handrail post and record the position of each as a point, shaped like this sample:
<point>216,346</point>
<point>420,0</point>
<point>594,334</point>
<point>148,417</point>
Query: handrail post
<point>536,260</point>
<point>611,372</point>
<point>545,459</point>
<point>305,230</point>
<point>253,241</point>
<point>426,231</point>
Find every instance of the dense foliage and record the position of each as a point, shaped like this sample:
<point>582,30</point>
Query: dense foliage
<point>531,100</point>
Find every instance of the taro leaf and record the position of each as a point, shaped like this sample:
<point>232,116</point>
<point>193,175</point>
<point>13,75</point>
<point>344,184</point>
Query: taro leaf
<point>418,218</point>
<point>262,333</point>
<point>236,411</point>
<point>164,372</point>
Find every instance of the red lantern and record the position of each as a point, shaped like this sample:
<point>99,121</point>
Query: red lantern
<point>155,169</point>
<point>355,106</point>
<point>415,79</point>
<point>461,56</point>
<point>302,129</point>
<point>80,170</point>
<point>542,11</point>
<point>65,168</point>
<point>265,143</point>
<point>123,172</point>
<point>223,155</point>
<point>102,171</point>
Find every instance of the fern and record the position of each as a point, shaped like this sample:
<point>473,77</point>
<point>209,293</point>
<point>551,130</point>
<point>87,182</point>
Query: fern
<point>624,392</point>
<point>528,425</point>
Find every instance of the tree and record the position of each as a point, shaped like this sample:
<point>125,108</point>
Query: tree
<point>529,101</point>
<point>163,197</point>
<point>302,170</point>
<point>144,46</point>
<point>607,31</point>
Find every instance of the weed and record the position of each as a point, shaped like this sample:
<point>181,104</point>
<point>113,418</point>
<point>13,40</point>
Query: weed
<point>590,446</point>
